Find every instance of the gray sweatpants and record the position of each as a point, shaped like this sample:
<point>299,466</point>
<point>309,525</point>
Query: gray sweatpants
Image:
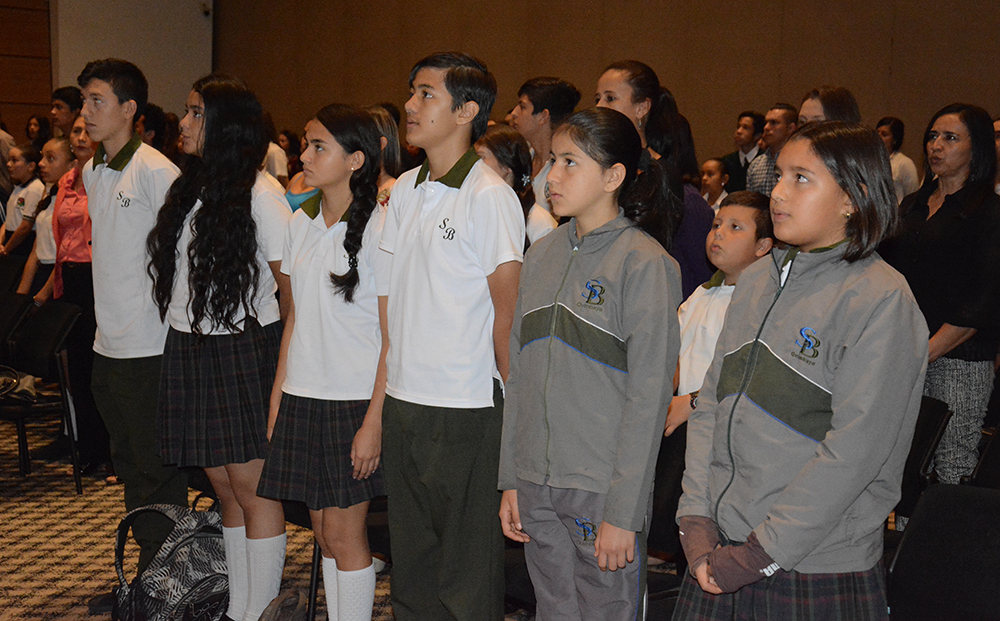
<point>965,387</point>
<point>569,586</point>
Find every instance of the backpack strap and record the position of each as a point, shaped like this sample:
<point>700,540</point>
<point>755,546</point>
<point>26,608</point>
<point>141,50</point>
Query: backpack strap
<point>174,512</point>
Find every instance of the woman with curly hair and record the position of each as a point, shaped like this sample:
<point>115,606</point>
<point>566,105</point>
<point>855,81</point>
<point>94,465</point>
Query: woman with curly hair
<point>326,410</point>
<point>215,255</point>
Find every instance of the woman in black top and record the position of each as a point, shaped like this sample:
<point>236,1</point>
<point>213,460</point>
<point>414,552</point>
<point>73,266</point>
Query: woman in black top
<point>948,248</point>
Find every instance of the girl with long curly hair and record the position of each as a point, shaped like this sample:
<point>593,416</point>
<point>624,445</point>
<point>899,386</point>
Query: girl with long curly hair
<point>215,254</point>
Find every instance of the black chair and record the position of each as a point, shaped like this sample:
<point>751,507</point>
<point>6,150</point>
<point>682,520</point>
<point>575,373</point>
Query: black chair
<point>39,350</point>
<point>948,564</point>
<point>13,308</point>
<point>987,472</point>
<point>918,472</point>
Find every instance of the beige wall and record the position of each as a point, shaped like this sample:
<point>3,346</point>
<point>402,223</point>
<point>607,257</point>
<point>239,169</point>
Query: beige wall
<point>170,40</point>
<point>901,57</point>
<point>25,67</point>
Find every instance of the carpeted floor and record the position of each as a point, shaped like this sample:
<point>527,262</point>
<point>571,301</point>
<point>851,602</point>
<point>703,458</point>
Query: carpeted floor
<point>57,548</point>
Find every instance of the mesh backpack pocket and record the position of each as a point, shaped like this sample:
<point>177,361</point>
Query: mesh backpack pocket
<point>186,580</point>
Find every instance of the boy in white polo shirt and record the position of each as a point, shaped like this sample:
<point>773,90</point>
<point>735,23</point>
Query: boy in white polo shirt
<point>456,231</point>
<point>126,183</point>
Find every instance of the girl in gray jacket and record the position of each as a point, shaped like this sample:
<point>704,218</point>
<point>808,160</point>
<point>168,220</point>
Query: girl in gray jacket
<point>795,452</point>
<point>593,350</point>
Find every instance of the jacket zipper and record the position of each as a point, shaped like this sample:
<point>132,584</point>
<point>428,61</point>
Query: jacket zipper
<point>548,366</point>
<point>747,375</point>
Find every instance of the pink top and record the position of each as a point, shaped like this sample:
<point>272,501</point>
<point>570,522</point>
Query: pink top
<point>70,226</point>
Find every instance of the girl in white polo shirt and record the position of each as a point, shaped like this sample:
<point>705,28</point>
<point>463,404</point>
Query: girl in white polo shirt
<point>326,408</point>
<point>214,258</point>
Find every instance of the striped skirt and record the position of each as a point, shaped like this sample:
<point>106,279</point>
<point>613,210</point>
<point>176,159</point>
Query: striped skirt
<point>309,459</point>
<point>214,396</point>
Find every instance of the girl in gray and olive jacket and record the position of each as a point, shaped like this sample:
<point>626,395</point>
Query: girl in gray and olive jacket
<point>796,450</point>
<point>593,350</point>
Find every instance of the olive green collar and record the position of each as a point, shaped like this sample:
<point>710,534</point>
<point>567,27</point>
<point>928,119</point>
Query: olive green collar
<point>718,279</point>
<point>455,177</point>
<point>122,158</point>
<point>313,205</point>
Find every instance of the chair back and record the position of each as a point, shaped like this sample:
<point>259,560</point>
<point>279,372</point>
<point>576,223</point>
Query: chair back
<point>948,563</point>
<point>13,308</point>
<point>11,268</point>
<point>987,472</point>
<point>931,422</point>
<point>41,336</point>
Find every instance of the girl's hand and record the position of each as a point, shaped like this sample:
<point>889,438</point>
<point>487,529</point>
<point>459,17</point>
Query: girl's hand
<point>614,547</point>
<point>272,416</point>
<point>703,574</point>
<point>366,450</point>
<point>678,413</point>
<point>510,517</point>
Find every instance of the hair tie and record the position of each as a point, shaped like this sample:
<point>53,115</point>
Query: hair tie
<point>525,180</point>
<point>352,262</point>
<point>645,160</point>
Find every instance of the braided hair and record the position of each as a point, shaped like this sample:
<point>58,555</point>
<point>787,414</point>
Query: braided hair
<point>355,130</point>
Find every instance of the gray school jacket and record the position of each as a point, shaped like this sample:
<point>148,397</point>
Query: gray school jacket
<point>593,351</point>
<point>805,418</point>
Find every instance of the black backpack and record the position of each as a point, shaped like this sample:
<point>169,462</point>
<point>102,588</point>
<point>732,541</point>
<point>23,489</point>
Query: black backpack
<point>186,580</point>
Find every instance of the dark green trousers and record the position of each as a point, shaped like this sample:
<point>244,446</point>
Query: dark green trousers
<point>126,391</point>
<point>441,478</point>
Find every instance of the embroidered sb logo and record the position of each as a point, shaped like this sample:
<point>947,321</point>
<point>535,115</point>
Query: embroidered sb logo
<point>587,529</point>
<point>594,293</point>
<point>449,232</point>
<point>123,200</point>
<point>809,347</point>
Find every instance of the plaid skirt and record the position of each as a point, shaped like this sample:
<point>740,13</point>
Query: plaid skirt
<point>791,596</point>
<point>214,396</point>
<point>309,459</point>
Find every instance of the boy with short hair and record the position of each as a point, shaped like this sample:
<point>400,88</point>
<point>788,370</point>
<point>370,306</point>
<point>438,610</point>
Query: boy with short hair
<point>126,184</point>
<point>66,104</point>
<point>741,233</point>
<point>543,103</point>
<point>456,232</point>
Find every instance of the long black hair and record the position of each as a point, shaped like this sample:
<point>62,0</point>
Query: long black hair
<point>223,269</point>
<point>355,130</point>
<point>609,137</point>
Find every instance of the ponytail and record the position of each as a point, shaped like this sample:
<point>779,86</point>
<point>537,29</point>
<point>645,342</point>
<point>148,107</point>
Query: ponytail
<point>649,202</point>
<point>651,195</point>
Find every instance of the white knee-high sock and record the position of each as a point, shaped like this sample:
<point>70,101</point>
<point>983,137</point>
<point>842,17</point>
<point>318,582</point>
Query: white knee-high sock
<point>266,562</point>
<point>356,592</point>
<point>330,586</point>
<point>234,539</point>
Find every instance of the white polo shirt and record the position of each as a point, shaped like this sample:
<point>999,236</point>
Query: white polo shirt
<point>701,317</point>
<point>446,237</point>
<point>23,201</point>
<point>334,348</point>
<point>271,213</point>
<point>123,198</point>
<point>538,185</point>
<point>276,161</point>
<point>45,241</point>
